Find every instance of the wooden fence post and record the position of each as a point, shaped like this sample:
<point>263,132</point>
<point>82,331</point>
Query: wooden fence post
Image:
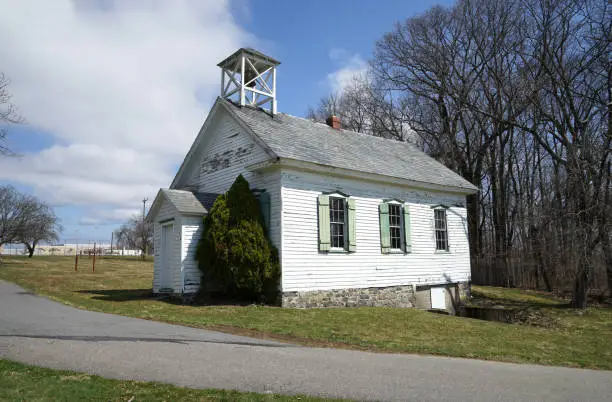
<point>76,262</point>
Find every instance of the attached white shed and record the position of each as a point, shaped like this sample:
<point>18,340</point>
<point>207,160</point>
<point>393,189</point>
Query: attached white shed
<point>177,216</point>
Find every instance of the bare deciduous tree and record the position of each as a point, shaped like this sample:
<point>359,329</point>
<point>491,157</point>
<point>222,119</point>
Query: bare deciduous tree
<point>364,109</point>
<point>515,96</point>
<point>41,225</point>
<point>25,219</point>
<point>12,214</point>
<point>8,114</point>
<point>130,235</point>
<point>572,51</point>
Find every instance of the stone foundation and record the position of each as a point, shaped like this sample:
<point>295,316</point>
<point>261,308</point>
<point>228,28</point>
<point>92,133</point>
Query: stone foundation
<point>456,294</point>
<point>393,296</point>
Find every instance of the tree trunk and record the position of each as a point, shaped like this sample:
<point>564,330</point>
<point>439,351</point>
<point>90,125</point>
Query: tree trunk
<point>607,248</point>
<point>536,249</point>
<point>606,240</point>
<point>473,215</point>
<point>30,249</point>
<point>580,288</point>
<point>547,283</point>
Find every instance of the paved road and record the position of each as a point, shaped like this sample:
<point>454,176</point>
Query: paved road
<point>36,330</point>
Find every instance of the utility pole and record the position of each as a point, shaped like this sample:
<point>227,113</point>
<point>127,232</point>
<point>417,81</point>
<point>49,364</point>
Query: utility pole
<point>144,232</point>
<point>111,245</point>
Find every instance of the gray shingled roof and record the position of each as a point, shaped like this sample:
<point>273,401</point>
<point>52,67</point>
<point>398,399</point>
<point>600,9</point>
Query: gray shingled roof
<point>187,202</point>
<point>303,140</point>
<point>206,199</point>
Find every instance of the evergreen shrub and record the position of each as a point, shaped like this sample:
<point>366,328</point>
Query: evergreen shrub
<point>234,254</point>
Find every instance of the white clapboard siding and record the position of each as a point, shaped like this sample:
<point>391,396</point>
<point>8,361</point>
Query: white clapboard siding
<point>191,231</point>
<point>166,211</point>
<point>305,268</point>
<point>224,153</point>
<point>271,182</point>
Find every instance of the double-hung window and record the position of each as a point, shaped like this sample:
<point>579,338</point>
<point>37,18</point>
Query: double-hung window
<point>441,230</point>
<point>394,218</point>
<point>395,226</point>
<point>337,222</point>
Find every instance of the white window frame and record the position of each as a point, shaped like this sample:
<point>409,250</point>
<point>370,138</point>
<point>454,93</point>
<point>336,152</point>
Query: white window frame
<point>344,248</point>
<point>401,227</point>
<point>445,230</point>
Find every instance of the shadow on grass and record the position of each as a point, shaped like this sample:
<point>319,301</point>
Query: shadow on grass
<point>124,295</point>
<point>514,301</point>
<point>487,301</point>
<point>120,295</point>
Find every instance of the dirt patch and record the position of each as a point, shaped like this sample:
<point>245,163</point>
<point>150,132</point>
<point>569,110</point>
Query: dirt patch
<point>511,315</point>
<point>76,377</point>
<point>536,318</point>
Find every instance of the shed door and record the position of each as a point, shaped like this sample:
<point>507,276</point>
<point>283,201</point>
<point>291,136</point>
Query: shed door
<point>166,257</point>
<point>438,298</point>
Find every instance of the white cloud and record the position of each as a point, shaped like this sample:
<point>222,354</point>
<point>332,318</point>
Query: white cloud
<point>89,221</point>
<point>122,86</point>
<point>351,67</point>
<point>115,216</point>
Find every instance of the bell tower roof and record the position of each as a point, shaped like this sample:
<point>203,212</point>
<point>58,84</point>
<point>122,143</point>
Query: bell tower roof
<point>250,51</point>
<point>248,77</point>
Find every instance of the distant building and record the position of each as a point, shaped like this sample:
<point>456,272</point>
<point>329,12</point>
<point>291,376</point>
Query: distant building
<point>68,249</point>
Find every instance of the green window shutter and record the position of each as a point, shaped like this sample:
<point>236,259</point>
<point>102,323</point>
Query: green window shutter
<point>407,234</point>
<point>385,236</point>
<point>324,236</point>
<point>264,205</point>
<point>352,234</point>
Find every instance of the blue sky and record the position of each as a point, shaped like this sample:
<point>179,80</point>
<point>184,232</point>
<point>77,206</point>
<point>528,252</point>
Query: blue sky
<point>114,92</point>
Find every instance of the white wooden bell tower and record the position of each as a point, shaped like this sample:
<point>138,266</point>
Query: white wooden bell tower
<point>248,77</point>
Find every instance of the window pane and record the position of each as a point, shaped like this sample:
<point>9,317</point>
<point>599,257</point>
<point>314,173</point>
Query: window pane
<point>440,229</point>
<point>395,225</point>
<point>336,218</point>
<point>396,240</point>
<point>440,218</point>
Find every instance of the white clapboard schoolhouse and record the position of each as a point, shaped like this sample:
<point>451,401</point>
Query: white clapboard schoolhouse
<point>357,219</point>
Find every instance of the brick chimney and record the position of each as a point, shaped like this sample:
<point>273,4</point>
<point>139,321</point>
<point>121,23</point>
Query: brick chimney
<point>333,122</point>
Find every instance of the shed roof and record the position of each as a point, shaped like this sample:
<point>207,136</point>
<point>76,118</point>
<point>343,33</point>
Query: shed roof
<point>185,202</point>
<point>307,141</point>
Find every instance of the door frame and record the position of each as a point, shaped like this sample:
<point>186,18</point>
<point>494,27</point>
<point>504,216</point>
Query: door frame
<point>166,282</point>
<point>440,291</point>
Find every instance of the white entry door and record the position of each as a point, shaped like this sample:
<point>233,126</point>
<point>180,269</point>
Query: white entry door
<point>166,257</point>
<point>438,298</point>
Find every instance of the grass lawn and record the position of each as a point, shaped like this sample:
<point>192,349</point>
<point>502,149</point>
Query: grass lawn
<point>21,382</point>
<point>575,338</point>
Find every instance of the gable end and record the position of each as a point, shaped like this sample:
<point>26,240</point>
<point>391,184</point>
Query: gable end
<point>196,149</point>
